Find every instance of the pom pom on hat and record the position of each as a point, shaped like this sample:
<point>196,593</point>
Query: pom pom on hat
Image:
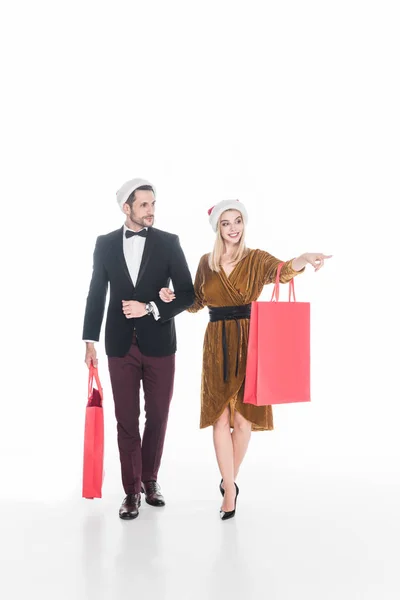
<point>216,211</point>
<point>130,186</point>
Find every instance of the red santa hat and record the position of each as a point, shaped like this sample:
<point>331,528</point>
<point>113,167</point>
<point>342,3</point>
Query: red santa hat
<point>216,211</point>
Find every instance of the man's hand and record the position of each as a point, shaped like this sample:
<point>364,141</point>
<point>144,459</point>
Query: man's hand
<point>91,355</point>
<point>133,309</point>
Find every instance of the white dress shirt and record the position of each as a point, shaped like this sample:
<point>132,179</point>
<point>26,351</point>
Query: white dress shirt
<point>133,253</point>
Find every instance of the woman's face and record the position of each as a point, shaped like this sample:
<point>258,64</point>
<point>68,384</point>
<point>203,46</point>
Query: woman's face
<point>231,226</point>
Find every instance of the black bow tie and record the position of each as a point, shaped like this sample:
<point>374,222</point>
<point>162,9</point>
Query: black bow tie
<point>129,234</point>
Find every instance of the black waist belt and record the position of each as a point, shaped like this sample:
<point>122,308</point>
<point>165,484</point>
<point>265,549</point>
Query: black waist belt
<point>230,313</point>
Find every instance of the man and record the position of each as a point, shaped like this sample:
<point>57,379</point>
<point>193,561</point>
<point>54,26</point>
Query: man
<point>137,261</point>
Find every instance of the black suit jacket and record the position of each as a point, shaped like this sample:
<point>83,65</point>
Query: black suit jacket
<point>163,260</point>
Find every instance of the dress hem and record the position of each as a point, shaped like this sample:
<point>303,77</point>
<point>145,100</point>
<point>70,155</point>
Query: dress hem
<point>231,402</point>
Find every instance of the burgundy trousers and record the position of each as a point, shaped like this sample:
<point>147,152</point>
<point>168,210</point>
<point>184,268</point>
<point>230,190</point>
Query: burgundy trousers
<point>140,460</point>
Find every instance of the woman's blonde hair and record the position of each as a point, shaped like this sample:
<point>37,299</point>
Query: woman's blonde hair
<point>215,257</point>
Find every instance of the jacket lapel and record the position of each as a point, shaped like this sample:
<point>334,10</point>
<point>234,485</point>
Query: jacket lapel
<point>147,252</point>
<point>119,252</point>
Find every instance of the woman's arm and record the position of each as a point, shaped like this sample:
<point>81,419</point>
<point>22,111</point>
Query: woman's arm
<point>290,268</point>
<point>199,298</point>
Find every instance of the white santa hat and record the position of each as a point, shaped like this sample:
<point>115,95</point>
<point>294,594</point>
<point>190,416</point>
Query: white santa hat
<point>216,211</point>
<point>129,187</point>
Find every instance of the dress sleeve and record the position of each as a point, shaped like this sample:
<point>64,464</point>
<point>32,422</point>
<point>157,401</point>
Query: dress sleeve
<point>199,298</point>
<point>269,267</point>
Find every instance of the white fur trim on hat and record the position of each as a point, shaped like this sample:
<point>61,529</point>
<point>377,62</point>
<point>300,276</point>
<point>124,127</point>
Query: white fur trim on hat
<point>130,186</point>
<point>216,211</point>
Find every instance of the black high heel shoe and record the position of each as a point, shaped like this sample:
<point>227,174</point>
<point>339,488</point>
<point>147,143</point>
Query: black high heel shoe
<point>231,513</point>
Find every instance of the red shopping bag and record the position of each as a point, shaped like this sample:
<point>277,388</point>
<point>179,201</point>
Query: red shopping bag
<point>93,454</point>
<point>278,357</point>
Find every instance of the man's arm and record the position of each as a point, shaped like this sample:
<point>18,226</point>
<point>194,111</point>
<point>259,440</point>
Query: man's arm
<point>182,282</point>
<point>96,299</point>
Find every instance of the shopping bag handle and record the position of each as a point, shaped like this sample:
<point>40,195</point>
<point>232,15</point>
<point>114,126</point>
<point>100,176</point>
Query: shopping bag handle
<point>275,292</point>
<point>94,376</point>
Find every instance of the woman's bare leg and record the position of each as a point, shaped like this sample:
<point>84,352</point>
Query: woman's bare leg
<point>240,438</point>
<point>225,457</point>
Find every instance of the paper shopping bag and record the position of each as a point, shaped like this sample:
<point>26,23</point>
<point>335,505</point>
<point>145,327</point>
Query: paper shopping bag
<point>278,358</point>
<point>93,454</point>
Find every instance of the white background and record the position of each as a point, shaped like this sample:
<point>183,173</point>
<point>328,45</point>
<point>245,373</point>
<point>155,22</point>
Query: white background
<point>291,107</point>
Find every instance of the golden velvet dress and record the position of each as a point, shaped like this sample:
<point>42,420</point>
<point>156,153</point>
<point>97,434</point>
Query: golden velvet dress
<point>243,286</point>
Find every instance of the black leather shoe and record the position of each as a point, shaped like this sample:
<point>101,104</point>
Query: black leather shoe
<point>231,513</point>
<point>152,491</point>
<point>130,507</point>
<point>221,489</point>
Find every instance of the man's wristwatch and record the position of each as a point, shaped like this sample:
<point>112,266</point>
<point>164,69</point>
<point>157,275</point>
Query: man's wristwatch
<point>149,308</point>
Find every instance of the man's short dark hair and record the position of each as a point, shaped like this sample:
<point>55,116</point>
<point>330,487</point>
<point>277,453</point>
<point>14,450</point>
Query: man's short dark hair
<point>132,197</point>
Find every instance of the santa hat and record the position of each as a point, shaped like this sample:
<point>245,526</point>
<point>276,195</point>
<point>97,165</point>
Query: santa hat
<point>129,187</point>
<point>216,211</point>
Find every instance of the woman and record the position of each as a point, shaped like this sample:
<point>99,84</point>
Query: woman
<point>227,281</point>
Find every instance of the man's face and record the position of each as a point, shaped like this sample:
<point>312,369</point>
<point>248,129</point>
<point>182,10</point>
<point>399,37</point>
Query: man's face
<point>142,212</point>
